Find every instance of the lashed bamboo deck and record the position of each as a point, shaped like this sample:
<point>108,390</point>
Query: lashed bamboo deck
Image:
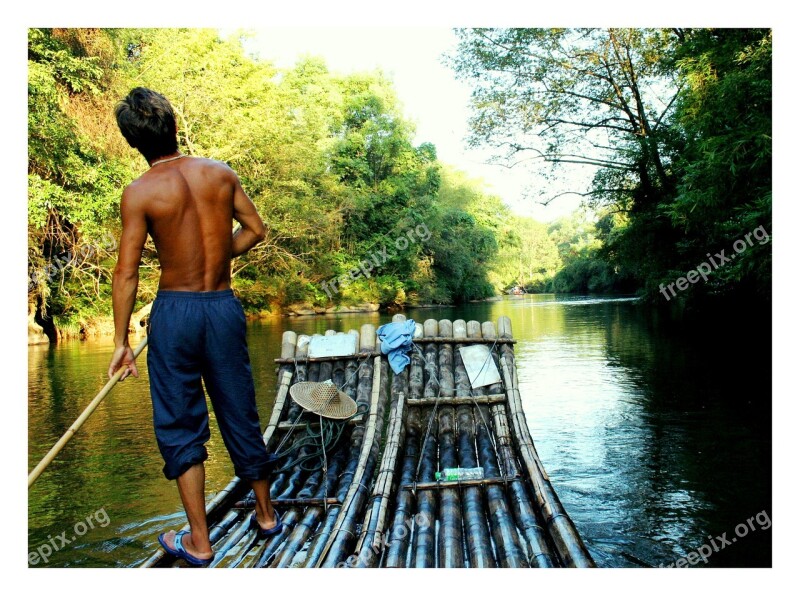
<point>379,504</point>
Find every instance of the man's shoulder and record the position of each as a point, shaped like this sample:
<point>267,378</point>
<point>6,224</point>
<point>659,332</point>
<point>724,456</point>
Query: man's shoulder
<point>135,189</point>
<point>207,162</point>
<point>211,170</point>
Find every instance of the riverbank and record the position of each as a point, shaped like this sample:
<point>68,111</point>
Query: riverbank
<point>96,327</point>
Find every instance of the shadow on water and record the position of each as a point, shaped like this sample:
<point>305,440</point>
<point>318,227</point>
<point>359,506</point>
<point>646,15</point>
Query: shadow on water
<point>655,433</point>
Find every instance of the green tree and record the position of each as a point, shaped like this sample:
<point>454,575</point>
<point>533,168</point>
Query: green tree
<point>464,227</point>
<point>73,178</point>
<point>527,257</point>
<point>725,189</point>
<point>593,97</point>
<point>676,123</point>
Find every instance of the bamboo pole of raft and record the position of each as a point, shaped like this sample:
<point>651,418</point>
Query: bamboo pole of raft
<point>277,408</point>
<point>460,401</point>
<point>568,542</point>
<point>312,374</point>
<point>539,551</point>
<point>370,541</point>
<point>294,353</point>
<point>295,541</point>
<point>344,530</point>
<point>287,485</point>
<point>351,369</point>
<point>293,412</point>
<point>302,372</point>
<point>356,356</point>
<point>368,546</point>
<point>339,377</point>
<point>476,529</point>
<point>466,340</point>
<point>301,359</point>
<point>288,349</point>
<point>423,549</point>
<point>65,438</point>
<point>509,551</point>
<point>504,532</point>
<point>450,543</point>
<point>320,543</point>
<point>291,502</point>
<point>399,530</point>
<point>326,367</point>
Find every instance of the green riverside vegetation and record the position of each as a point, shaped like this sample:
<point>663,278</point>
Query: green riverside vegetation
<point>330,162</point>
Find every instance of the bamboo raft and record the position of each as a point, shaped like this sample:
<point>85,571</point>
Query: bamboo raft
<point>376,501</point>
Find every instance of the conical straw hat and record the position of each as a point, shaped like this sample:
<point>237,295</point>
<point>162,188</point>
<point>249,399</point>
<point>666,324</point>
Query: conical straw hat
<point>323,399</point>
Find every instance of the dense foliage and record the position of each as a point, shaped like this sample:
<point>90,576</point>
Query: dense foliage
<point>676,125</point>
<point>328,160</point>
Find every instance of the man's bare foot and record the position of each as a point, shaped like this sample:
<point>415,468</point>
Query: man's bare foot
<point>188,545</point>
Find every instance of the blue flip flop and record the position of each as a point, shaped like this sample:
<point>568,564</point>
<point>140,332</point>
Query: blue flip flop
<point>180,551</point>
<point>267,533</point>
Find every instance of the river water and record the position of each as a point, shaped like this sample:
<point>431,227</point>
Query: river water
<point>655,434</point>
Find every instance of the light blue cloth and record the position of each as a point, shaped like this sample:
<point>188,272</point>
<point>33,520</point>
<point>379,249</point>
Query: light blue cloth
<point>396,341</point>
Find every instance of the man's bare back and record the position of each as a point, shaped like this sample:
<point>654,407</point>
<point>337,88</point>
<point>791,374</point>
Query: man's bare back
<point>188,205</point>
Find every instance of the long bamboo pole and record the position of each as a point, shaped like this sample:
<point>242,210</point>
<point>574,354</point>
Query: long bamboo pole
<point>370,542</point>
<point>65,438</point>
<point>459,401</point>
<point>423,549</point>
<point>476,528</point>
<point>344,530</point>
<point>450,536</point>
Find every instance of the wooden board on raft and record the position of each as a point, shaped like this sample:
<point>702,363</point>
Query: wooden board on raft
<point>373,500</point>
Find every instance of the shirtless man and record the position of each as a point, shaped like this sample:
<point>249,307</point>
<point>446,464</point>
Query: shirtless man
<point>197,326</point>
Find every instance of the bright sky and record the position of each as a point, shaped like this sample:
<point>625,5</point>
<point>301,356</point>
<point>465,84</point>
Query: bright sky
<point>429,91</point>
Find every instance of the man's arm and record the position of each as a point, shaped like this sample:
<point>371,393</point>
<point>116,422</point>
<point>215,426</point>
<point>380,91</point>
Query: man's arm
<point>126,281</point>
<point>253,229</point>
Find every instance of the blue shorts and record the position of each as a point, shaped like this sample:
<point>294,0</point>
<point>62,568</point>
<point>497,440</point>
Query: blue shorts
<point>194,336</point>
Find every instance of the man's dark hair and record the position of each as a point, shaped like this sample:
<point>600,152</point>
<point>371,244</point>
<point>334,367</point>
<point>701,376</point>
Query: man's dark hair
<point>147,122</point>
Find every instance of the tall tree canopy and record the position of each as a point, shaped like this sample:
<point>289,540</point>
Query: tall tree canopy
<point>329,161</point>
<point>675,123</point>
